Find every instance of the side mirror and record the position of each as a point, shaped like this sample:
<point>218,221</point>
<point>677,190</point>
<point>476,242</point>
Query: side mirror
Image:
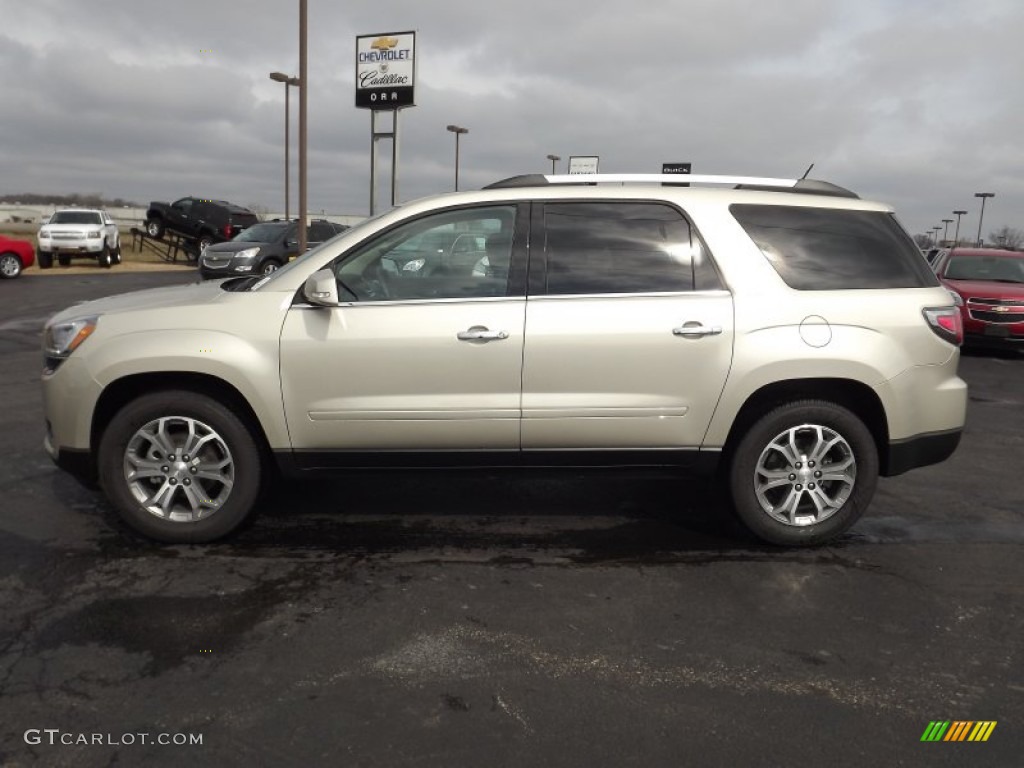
<point>321,288</point>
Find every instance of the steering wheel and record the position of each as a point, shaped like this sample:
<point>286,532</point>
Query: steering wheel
<point>373,284</point>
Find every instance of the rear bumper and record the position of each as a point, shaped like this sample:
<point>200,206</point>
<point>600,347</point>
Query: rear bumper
<point>920,451</point>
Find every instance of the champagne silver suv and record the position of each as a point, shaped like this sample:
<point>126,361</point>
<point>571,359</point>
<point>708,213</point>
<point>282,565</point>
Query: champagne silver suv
<point>784,332</point>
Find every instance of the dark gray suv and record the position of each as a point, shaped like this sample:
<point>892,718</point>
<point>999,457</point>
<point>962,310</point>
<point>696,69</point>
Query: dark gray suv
<point>262,248</point>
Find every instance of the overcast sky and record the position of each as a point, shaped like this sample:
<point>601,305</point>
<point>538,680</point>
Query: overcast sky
<point>918,103</point>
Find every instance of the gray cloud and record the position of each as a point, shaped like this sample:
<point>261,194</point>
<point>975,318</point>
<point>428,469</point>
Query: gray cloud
<point>912,102</point>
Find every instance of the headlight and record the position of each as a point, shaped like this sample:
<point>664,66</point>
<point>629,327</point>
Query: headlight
<point>61,339</point>
<point>414,266</point>
<point>248,253</point>
<point>44,233</point>
<point>958,300</point>
<point>94,234</point>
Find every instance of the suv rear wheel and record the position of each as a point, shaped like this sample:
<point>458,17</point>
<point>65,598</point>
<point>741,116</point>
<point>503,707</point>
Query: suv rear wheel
<point>180,467</point>
<point>804,473</point>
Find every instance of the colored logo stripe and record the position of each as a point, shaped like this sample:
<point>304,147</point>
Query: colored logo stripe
<point>982,731</point>
<point>958,730</point>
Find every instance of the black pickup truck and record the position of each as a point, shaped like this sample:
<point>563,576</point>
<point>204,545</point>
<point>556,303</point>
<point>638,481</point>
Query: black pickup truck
<point>199,220</point>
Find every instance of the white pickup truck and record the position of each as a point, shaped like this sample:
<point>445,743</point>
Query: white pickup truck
<point>76,233</point>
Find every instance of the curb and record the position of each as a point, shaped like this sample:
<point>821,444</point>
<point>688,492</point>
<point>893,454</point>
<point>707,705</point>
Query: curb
<point>124,266</point>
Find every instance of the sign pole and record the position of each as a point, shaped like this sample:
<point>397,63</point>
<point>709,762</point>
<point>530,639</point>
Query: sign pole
<point>394,158</point>
<point>385,82</point>
<point>373,162</point>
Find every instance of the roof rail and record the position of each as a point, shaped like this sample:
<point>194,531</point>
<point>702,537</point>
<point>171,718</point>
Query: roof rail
<point>756,183</point>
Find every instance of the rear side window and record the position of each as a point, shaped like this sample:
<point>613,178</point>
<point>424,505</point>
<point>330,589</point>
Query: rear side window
<point>824,249</point>
<point>621,247</point>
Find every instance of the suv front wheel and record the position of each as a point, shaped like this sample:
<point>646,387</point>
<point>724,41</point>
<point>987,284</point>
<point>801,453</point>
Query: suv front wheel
<point>154,228</point>
<point>180,467</point>
<point>804,473</point>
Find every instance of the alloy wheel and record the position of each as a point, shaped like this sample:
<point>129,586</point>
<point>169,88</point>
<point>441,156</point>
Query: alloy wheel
<point>805,475</point>
<point>179,469</point>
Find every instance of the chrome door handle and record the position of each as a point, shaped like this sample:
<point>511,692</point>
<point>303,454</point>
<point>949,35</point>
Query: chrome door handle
<point>693,328</point>
<point>479,333</point>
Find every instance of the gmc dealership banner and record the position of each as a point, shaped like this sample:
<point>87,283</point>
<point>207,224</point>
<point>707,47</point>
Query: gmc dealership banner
<point>385,70</point>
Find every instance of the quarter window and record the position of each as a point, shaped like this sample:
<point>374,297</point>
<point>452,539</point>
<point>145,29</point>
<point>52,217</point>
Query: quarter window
<point>825,249</point>
<point>620,248</point>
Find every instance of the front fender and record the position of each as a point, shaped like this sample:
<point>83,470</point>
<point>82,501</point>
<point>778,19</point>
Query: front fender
<point>251,366</point>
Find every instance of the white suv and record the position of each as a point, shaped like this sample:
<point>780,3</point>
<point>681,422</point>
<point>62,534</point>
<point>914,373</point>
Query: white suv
<point>784,332</point>
<point>77,233</point>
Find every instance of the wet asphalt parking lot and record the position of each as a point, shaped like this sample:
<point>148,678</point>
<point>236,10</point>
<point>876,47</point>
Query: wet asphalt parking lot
<point>506,619</point>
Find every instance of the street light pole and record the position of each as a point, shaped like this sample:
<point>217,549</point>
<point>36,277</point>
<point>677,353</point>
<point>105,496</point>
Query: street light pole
<point>945,232</point>
<point>458,130</point>
<point>956,237</point>
<point>981,216</point>
<point>554,159</point>
<point>935,235</point>
<point>280,77</point>
<point>303,93</point>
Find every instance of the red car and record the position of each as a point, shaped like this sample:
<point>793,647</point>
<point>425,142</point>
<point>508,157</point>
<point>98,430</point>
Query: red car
<point>990,283</point>
<point>15,255</point>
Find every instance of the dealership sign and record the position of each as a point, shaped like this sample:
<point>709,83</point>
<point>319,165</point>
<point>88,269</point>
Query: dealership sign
<point>583,164</point>
<point>385,70</point>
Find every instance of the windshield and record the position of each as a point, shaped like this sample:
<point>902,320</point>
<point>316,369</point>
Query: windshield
<point>261,233</point>
<point>287,268</point>
<point>76,217</point>
<point>999,269</point>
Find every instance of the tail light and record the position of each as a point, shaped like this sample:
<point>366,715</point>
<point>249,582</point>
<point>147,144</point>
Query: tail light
<point>946,322</point>
<point>227,231</point>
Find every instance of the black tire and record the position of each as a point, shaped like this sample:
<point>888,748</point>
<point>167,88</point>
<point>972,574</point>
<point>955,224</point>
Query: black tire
<point>805,475</point>
<point>115,254</point>
<point>155,228</point>
<point>44,259</point>
<point>204,241</point>
<point>10,265</point>
<point>270,266</point>
<point>233,440</point>
<point>105,259</point>
<point>64,261</point>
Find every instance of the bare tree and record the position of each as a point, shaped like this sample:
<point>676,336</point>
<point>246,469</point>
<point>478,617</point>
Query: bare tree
<point>261,211</point>
<point>1007,237</point>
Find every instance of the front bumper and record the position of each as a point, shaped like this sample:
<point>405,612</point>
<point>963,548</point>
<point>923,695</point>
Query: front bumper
<point>81,465</point>
<point>229,269</point>
<point>71,247</point>
<point>1009,336</point>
